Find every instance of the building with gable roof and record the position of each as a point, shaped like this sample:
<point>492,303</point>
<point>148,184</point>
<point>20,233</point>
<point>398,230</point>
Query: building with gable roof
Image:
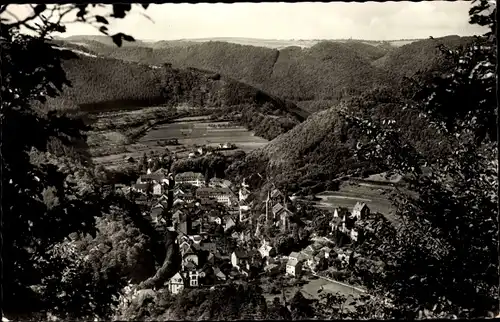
<point>360,210</point>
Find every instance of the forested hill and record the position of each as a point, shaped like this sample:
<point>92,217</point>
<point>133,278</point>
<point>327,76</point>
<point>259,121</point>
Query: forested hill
<point>102,83</point>
<point>322,148</point>
<point>326,71</point>
<point>315,78</point>
<point>422,55</point>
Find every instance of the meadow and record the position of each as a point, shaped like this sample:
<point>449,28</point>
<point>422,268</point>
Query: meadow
<point>189,131</point>
<point>376,197</point>
<point>196,131</point>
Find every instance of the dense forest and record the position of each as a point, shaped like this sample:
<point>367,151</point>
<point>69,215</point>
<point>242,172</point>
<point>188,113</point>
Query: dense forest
<point>70,245</point>
<point>325,72</point>
<point>101,84</point>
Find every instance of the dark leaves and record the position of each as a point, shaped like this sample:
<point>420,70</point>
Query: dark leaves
<point>39,9</point>
<point>120,10</point>
<point>104,30</point>
<point>101,19</point>
<point>119,37</point>
<point>145,5</point>
<point>82,11</point>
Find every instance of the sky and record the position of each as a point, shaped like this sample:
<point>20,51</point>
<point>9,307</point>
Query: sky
<point>305,20</point>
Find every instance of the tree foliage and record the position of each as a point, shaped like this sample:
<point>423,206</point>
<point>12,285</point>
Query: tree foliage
<point>442,259</point>
<point>46,195</point>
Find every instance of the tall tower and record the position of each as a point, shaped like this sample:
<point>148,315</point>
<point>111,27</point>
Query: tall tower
<point>267,207</point>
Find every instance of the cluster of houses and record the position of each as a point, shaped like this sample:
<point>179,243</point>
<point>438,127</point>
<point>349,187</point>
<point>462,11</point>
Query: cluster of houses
<point>192,207</point>
<point>342,221</point>
<point>208,150</point>
<point>346,222</point>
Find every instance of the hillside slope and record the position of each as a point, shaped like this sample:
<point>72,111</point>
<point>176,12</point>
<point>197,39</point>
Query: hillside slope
<point>322,148</point>
<point>326,71</point>
<point>422,55</point>
<point>102,84</point>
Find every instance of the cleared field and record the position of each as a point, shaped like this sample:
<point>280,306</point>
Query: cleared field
<point>189,131</point>
<point>311,288</point>
<point>377,198</point>
<point>197,131</point>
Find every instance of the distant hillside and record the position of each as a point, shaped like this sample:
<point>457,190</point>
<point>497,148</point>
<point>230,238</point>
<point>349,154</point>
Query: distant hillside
<point>326,71</point>
<point>322,147</point>
<point>102,84</point>
<point>422,55</point>
<point>268,43</point>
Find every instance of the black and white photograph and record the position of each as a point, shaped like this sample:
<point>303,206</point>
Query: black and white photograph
<point>249,161</point>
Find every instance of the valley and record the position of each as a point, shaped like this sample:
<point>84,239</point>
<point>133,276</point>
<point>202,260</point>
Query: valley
<point>113,149</point>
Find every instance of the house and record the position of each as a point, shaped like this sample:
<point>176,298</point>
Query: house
<point>360,210</point>
<point>176,284</point>
<point>177,192</point>
<point>266,250</point>
<point>308,257</point>
<point>189,257</point>
<point>194,178</point>
<point>158,189</point>
<point>216,218</point>
<point>140,187</point>
<point>278,209</point>
<point>354,235</point>
<point>243,193</point>
<point>242,259</point>
<point>178,201</point>
<point>187,197</point>
<point>220,183</point>
<point>209,247</point>
<point>272,269</point>
<point>326,251</point>
<point>222,195</point>
<point>194,278</point>
<point>293,266</point>
<point>157,177</point>
<point>196,239</point>
<point>220,276</point>
<point>228,222</point>
<point>156,215</point>
<point>176,217</point>
<point>185,225</point>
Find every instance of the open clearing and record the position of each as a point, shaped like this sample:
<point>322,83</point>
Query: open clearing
<point>196,131</point>
<point>376,197</point>
<point>311,288</point>
<point>189,131</point>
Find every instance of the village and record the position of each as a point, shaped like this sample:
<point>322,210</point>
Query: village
<point>221,228</point>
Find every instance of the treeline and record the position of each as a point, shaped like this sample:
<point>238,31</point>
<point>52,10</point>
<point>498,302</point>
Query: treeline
<point>326,71</point>
<point>211,166</point>
<point>420,56</point>
<point>105,84</point>
<point>316,153</point>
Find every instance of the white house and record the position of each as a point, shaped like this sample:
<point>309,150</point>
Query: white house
<point>354,235</point>
<point>360,210</point>
<point>176,284</point>
<point>293,266</point>
<point>193,178</point>
<point>158,189</point>
<point>194,278</point>
<point>266,250</point>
